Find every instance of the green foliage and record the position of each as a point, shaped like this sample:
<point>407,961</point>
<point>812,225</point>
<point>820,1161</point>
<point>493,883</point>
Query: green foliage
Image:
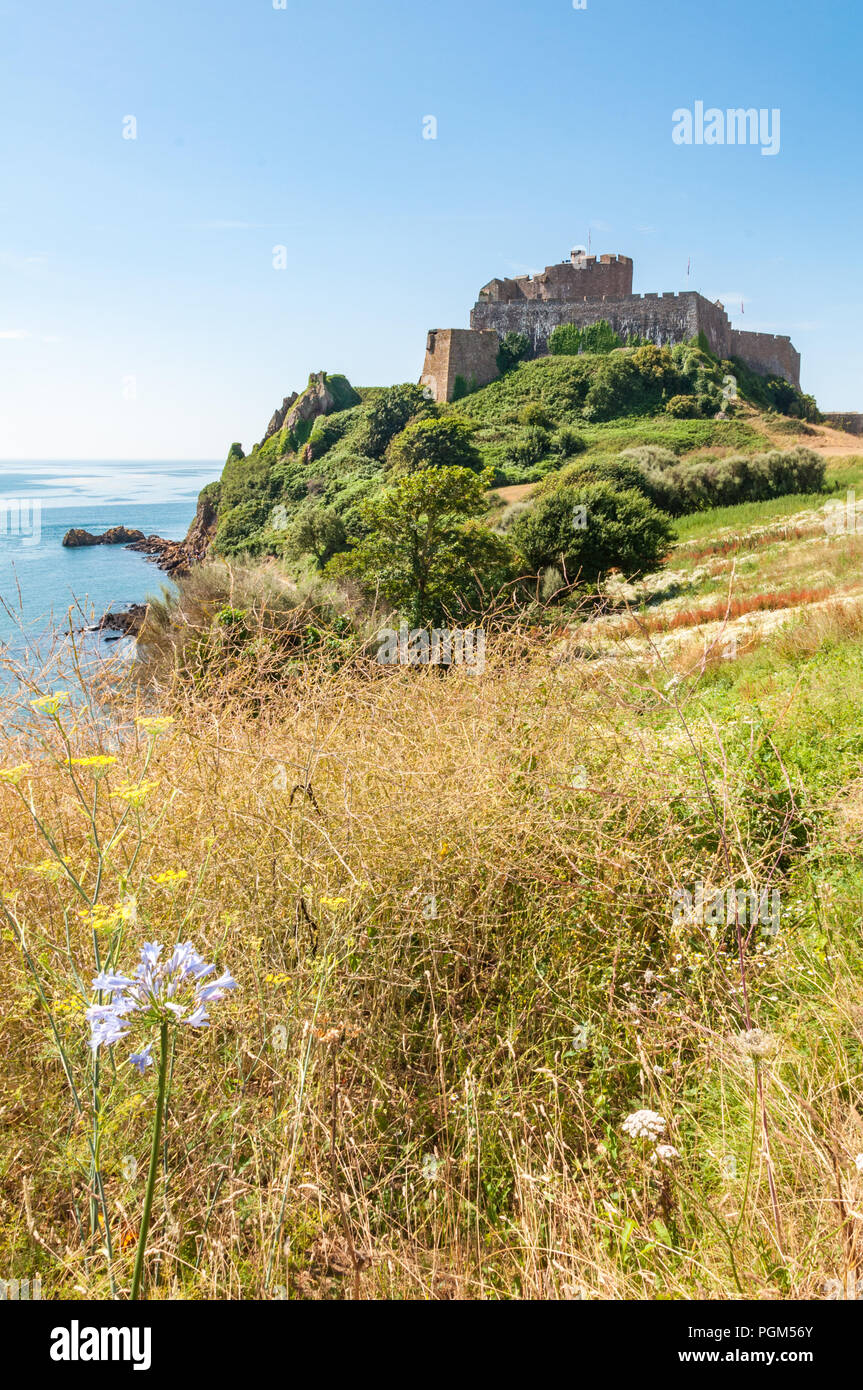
<point>424,551</point>
<point>315,530</point>
<point>773,393</point>
<point>568,340</point>
<point>697,484</point>
<point>237,530</point>
<point>461,387</point>
<point>389,413</point>
<point>535,413</point>
<point>591,528</point>
<point>235,452</point>
<point>434,443</point>
<point>529,446</point>
<point>568,442</point>
<point>514,348</point>
<point>683,407</point>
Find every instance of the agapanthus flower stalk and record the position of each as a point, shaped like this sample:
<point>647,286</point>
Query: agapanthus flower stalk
<point>165,993</point>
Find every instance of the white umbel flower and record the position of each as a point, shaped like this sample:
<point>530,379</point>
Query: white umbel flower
<point>666,1153</point>
<point>644,1124</point>
<point>858,1163</point>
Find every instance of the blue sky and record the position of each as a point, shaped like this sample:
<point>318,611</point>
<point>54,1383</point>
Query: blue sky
<point>141,315</point>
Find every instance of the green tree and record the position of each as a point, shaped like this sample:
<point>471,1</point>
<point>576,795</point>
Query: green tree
<point>425,551</point>
<point>389,413</point>
<point>590,529</point>
<point>445,443</point>
<point>317,531</point>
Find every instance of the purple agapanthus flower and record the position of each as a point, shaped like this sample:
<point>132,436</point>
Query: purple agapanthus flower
<point>161,991</point>
<point>142,1060</point>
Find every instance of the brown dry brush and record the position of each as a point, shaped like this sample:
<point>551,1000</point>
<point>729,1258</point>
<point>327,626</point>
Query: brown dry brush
<point>421,1097</point>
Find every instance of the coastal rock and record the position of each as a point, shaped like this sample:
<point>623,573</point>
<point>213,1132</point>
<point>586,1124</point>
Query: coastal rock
<point>279,415</point>
<point>126,622</point>
<point>115,535</point>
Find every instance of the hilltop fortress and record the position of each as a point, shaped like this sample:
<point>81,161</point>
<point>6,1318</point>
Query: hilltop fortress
<point>582,291</point>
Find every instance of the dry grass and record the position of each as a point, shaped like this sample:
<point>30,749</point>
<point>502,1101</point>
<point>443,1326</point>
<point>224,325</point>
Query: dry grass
<point>447,903</point>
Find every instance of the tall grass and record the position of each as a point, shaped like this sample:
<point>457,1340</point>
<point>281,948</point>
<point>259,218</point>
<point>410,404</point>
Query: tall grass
<point>448,905</point>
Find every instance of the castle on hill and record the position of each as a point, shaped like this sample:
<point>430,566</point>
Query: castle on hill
<point>583,290</point>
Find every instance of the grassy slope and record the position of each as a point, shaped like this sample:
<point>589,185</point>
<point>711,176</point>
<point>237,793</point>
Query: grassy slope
<point>342,473</point>
<point>499,980</point>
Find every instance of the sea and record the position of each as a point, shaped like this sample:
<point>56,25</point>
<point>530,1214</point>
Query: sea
<point>48,591</point>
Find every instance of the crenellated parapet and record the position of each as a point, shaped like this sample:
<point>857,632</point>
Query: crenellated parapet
<point>582,291</point>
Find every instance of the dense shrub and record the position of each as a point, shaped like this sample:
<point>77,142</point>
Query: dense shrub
<point>315,530</point>
<point>535,413</point>
<point>388,415</point>
<point>698,484</point>
<point>683,407</point>
<point>567,442</point>
<point>591,528</point>
<point>528,447</point>
<point>433,443</point>
<point>514,348</point>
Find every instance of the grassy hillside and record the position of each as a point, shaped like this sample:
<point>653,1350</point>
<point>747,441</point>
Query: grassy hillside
<point>526,425</point>
<point>452,908</point>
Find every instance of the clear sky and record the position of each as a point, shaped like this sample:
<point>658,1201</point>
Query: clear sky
<point>141,315</point>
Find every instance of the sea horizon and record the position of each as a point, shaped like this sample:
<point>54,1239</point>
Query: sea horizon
<point>40,500</point>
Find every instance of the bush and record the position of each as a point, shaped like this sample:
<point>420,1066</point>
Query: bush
<point>702,483</point>
<point>590,529</point>
<point>683,408</point>
<point>433,443</point>
<point>529,447</point>
<point>317,531</point>
<point>388,415</point>
<point>534,413</point>
<point>568,442</point>
<point>237,527</point>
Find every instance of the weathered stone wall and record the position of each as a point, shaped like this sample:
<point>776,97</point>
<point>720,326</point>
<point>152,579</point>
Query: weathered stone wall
<point>582,277</point>
<point>845,420</point>
<point>670,318</point>
<point>664,319</point>
<point>765,353</point>
<point>454,352</point>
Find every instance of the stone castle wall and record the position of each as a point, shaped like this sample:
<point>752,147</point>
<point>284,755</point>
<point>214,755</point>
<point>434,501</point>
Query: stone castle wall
<point>665,319</point>
<point>454,352</point>
<point>582,291</point>
<point>581,277</point>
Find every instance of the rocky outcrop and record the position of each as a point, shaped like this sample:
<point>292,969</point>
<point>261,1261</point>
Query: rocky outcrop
<point>126,622</point>
<point>116,535</point>
<point>322,396</point>
<point>279,414</point>
<point>200,535</point>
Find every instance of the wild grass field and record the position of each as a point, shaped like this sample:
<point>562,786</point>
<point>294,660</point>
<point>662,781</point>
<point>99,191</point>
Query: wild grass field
<point>494,1033</point>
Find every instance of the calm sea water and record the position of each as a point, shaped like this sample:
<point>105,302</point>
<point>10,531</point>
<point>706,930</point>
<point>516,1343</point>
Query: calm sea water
<point>39,502</point>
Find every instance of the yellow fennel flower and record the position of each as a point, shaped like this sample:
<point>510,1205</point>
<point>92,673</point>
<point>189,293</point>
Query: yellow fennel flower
<point>50,704</point>
<point>170,876</point>
<point>13,775</point>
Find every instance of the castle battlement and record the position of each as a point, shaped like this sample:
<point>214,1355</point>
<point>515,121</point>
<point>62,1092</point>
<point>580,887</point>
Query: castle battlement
<point>582,291</point>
